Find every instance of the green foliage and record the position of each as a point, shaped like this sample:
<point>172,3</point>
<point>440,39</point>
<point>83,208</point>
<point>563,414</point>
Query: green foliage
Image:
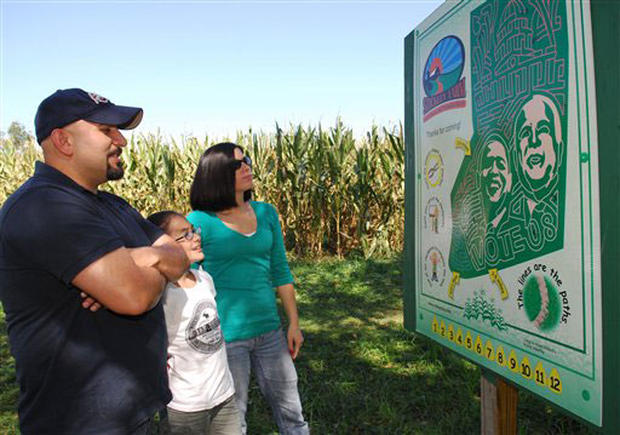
<point>18,135</point>
<point>16,165</point>
<point>8,387</point>
<point>335,195</point>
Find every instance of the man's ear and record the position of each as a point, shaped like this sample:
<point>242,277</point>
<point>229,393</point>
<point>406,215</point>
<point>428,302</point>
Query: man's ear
<point>61,141</point>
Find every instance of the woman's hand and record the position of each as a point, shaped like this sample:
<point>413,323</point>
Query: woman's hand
<point>295,340</point>
<point>294,336</point>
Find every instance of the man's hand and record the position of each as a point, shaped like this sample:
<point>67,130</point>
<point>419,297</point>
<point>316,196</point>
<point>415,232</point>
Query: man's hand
<point>145,256</point>
<point>295,340</point>
<point>172,260</point>
<point>89,303</point>
<point>168,258</point>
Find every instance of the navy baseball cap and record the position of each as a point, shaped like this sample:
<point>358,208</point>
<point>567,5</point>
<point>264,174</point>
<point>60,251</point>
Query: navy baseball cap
<point>69,105</point>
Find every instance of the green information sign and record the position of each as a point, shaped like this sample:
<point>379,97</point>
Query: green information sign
<point>503,222</point>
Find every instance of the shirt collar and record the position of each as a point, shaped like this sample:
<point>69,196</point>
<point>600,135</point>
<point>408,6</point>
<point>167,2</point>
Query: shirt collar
<point>44,170</point>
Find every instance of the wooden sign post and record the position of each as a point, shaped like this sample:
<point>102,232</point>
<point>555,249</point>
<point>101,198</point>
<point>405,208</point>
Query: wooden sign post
<point>498,405</point>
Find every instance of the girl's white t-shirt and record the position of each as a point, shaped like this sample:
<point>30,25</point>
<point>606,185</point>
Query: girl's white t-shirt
<point>198,371</point>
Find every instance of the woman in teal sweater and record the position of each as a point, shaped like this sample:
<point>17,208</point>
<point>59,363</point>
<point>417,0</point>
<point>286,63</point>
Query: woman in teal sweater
<point>244,253</point>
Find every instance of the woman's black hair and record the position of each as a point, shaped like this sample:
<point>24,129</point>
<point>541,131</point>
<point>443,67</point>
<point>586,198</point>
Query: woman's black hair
<point>213,188</point>
<point>162,218</point>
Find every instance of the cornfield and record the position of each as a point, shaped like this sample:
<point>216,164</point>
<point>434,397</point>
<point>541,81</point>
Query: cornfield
<point>335,195</point>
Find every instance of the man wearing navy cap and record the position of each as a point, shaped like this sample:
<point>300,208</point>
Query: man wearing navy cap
<point>79,371</point>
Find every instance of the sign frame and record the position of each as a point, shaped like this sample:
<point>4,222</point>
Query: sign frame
<point>605,40</point>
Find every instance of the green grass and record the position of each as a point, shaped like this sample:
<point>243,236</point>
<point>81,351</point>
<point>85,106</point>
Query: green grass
<point>359,371</point>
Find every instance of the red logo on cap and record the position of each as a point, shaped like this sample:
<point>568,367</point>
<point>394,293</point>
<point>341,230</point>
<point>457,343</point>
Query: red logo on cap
<point>97,98</point>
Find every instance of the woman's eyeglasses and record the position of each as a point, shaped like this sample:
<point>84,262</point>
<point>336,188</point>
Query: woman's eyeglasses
<point>237,163</point>
<point>189,235</point>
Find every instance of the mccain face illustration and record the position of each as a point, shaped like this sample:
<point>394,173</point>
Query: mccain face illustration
<point>538,146</point>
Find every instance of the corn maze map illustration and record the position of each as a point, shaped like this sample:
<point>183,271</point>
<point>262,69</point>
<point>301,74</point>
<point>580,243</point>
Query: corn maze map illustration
<point>508,200</point>
<point>507,249</point>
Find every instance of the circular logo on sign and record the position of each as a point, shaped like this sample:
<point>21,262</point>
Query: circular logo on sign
<point>433,168</point>
<point>444,66</point>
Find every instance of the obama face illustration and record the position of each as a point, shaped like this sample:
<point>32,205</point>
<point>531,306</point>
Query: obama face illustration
<point>495,177</point>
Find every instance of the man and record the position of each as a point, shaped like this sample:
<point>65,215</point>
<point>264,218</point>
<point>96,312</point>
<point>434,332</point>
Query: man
<point>79,371</point>
<point>495,178</point>
<point>539,148</point>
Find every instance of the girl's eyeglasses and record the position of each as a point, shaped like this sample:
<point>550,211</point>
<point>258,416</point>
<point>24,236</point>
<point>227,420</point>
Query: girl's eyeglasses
<point>189,235</point>
<point>237,163</point>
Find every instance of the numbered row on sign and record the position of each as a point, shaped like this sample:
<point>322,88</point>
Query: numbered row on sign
<point>497,353</point>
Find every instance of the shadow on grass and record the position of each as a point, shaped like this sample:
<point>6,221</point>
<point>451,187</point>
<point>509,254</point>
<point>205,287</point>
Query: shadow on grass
<point>360,372</point>
<point>333,291</point>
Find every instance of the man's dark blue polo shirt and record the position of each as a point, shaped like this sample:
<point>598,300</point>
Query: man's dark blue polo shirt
<point>78,371</point>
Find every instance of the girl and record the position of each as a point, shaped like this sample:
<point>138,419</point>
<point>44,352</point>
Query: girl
<point>200,381</point>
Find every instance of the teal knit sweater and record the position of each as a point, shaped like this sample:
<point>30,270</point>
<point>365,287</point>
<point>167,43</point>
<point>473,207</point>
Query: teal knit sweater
<point>245,270</point>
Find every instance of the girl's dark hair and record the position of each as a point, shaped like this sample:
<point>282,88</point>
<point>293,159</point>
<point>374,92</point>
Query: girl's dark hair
<point>213,188</point>
<point>162,218</point>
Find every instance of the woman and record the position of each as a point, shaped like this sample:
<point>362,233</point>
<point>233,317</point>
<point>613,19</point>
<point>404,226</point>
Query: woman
<point>244,253</point>
<point>202,386</point>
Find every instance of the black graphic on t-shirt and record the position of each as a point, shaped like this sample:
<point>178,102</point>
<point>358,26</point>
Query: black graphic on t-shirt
<point>203,332</point>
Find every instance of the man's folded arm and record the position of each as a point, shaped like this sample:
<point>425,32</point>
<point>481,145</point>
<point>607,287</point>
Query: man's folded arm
<point>139,276</point>
<point>121,285</point>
